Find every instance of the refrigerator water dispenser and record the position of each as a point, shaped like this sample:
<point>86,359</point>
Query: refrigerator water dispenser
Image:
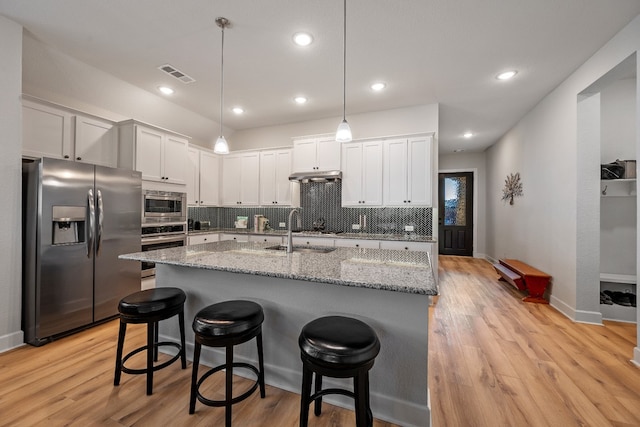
<point>68,224</point>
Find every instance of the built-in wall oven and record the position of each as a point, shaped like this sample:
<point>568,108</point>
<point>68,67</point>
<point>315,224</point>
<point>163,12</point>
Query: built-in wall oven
<point>161,236</point>
<point>163,206</point>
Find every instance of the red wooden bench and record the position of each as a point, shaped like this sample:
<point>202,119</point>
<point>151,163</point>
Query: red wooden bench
<point>524,277</point>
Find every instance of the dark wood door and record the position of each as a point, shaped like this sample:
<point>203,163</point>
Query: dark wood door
<point>455,222</point>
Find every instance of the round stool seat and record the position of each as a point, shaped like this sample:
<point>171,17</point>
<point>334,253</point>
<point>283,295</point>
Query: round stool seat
<point>228,318</point>
<point>152,302</point>
<point>339,340</point>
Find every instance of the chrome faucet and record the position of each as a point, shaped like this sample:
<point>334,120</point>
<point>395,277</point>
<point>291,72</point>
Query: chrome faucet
<point>290,227</point>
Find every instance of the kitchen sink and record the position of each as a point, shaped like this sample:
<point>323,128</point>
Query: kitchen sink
<point>304,249</point>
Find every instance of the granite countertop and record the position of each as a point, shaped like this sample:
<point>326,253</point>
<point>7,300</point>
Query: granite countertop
<point>402,237</point>
<point>398,271</point>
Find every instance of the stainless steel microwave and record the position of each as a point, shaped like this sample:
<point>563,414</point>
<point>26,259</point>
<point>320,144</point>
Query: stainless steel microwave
<point>163,206</point>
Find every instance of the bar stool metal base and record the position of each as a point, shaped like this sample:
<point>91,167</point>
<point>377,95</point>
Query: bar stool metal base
<point>150,307</point>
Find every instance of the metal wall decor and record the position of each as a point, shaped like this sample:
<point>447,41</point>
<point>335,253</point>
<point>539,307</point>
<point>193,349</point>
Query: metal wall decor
<point>512,187</point>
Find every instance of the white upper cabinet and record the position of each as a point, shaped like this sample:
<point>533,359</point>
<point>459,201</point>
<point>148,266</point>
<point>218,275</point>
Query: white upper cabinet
<point>160,155</point>
<point>408,172</point>
<point>95,141</point>
<point>46,131</point>
<point>56,132</point>
<point>240,179</point>
<point>275,168</point>
<point>321,154</point>
<point>209,179</point>
<point>203,178</point>
<point>362,174</point>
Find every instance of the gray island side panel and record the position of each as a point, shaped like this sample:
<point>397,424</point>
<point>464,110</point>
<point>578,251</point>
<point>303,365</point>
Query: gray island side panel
<point>398,379</point>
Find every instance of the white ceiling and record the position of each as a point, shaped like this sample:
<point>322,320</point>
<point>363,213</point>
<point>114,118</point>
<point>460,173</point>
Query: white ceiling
<point>427,51</point>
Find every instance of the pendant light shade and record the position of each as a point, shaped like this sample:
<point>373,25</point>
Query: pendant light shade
<point>221,146</point>
<point>343,134</point>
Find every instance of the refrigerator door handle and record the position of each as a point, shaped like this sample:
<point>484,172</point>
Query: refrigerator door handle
<point>92,221</point>
<point>100,212</point>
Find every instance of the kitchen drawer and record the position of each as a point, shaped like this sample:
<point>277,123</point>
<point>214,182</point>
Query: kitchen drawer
<point>355,243</point>
<point>236,237</point>
<point>266,239</point>
<point>313,241</point>
<point>203,238</point>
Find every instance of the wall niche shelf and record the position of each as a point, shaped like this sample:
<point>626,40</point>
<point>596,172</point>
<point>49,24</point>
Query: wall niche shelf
<point>618,187</point>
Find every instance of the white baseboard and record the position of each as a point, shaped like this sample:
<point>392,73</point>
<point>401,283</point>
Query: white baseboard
<point>11,341</point>
<point>580,316</point>
<point>636,357</point>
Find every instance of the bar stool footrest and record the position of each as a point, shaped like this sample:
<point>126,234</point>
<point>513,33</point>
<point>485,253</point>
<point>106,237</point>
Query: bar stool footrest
<point>243,396</point>
<point>155,367</point>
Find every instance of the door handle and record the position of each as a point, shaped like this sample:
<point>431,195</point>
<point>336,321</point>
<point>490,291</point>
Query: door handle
<point>92,221</point>
<point>100,212</point>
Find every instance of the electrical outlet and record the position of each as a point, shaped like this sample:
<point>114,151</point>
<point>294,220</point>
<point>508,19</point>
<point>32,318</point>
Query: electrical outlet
<point>282,224</point>
<point>408,228</point>
<point>355,226</point>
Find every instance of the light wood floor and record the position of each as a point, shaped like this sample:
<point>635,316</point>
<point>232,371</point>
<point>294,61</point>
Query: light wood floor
<point>493,361</point>
<point>497,361</point>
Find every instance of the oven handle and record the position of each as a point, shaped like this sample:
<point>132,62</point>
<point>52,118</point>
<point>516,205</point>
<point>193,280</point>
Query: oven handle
<point>163,239</point>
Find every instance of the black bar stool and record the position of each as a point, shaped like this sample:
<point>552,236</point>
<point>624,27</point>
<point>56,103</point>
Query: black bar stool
<point>226,324</point>
<point>338,347</point>
<point>150,307</point>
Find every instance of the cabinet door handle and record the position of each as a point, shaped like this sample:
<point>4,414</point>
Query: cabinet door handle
<point>66,156</point>
<point>357,246</point>
<point>78,158</point>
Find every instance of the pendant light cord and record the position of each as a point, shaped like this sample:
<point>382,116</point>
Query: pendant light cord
<point>222,76</point>
<point>344,64</point>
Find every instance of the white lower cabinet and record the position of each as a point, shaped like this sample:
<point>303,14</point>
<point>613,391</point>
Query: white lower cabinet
<point>236,237</point>
<point>355,243</point>
<point>313,241</point>
<point>196,239</point>
<point>266,239</point>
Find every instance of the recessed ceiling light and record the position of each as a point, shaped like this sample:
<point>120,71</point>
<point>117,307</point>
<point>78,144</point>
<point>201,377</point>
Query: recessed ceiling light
<point>506,75</point>
<point>467,135</point>
<point>378,86</point>
<point>166,90</point>
<point>458,150</point>
<point>237,110</point>
<point>302,39</point>
<point>300,100</point>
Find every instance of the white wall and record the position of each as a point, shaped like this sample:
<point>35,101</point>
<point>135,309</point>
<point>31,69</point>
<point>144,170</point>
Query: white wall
<point>541,228</point>
<point>10,185</point>
<point>422,118</point>
<point>478,163</point>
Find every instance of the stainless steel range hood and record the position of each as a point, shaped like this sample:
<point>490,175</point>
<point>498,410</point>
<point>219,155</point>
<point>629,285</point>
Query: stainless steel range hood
<point>316,176</point>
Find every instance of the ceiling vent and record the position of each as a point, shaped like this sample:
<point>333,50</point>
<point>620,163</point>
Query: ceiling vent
<point>174,72</point>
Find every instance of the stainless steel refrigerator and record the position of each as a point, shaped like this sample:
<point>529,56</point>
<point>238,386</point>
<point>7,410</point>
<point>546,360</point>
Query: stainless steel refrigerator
<point>77,219</point>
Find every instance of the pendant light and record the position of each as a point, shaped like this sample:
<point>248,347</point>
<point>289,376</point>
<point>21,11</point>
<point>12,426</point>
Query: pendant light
<point>343,134</point>
<point>221,146</point>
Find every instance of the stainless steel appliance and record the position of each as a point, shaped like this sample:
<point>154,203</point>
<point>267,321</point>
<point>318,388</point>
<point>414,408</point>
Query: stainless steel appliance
<point>161,236</point>
<point>164,206</point>
<point>77,219</point>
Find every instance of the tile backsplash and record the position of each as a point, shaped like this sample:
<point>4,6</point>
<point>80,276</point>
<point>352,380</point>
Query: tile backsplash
<point>323,200</point>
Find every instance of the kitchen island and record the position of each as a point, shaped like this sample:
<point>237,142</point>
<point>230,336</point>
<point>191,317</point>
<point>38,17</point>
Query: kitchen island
<point>390,290</point>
